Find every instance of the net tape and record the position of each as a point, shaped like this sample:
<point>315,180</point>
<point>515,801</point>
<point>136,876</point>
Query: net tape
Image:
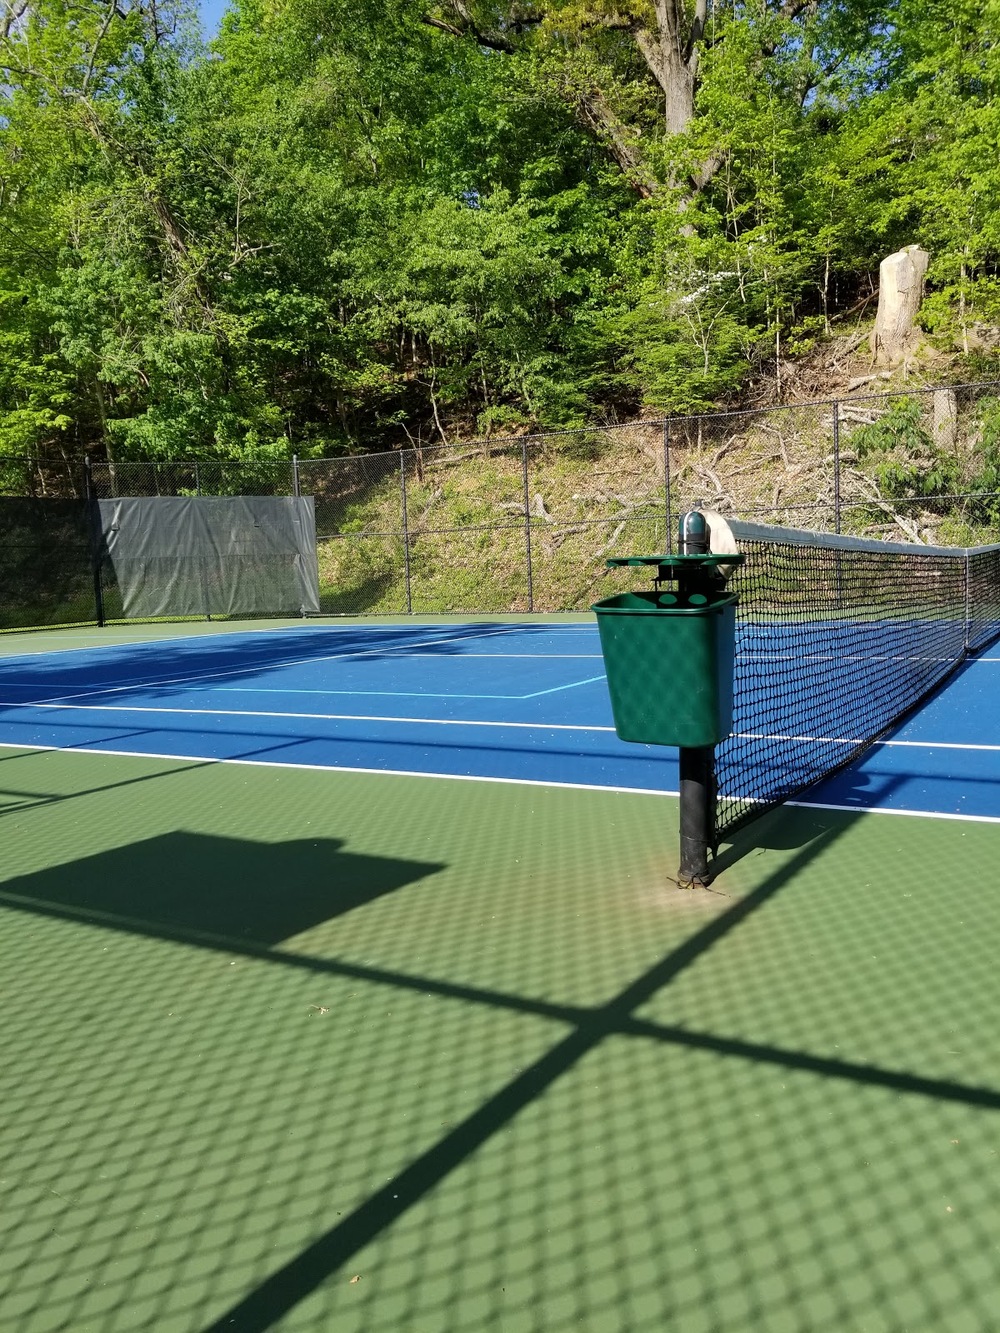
<point>837,639</point>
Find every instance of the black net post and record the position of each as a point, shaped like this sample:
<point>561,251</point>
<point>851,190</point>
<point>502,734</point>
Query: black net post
<point>697,764</point>
<point>697,790</point>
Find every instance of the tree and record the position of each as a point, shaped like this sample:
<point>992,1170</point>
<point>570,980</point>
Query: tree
<point>348,225</point>
<point>633,71</point>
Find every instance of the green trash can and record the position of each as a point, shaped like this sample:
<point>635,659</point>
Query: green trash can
<point>669,663</point>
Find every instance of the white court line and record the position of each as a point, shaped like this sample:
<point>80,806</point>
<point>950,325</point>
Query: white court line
<point>338,768</point>
<point>311,717</point>
<point>285,631</point>
<point>458,722</point>
<point>492,657</point>
<point>406,654</point>
<point>389,694</point>
<point>937,745</point>
<point>874,745</point>
<point>469,777</point>
<point>907,814</point>
<point>573,684</point>
<point>379,694</point>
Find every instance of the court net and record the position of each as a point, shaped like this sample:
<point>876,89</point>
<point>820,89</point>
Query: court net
<point>838,638</point>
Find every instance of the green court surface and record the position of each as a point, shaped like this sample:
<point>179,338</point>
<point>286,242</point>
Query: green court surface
<point>332,1052</point>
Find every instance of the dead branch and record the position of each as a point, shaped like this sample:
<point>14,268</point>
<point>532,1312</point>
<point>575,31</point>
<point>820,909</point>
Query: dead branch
<point>870,492</point>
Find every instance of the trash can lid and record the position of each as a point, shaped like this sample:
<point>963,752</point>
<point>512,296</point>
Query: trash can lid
<point>680,562</point>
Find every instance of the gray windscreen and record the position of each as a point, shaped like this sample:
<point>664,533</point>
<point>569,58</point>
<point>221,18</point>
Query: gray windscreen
<point>213,555</point>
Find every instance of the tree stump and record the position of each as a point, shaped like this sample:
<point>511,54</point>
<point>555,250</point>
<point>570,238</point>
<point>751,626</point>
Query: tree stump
<point>901,290</point>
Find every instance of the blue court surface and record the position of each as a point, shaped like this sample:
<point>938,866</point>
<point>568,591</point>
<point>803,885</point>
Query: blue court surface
<point>506,702</point>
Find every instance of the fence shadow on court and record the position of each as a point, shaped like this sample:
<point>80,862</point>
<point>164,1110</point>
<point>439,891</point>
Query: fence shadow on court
<point>228,1113</point>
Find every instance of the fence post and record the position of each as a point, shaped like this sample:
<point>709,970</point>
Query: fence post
<point>836,465</point>
<point>295,476</point>
<point>96,541</point>
<point>666,486</point>
<point>197,480</point>
<point>406,531</point>
<point>527,523</point>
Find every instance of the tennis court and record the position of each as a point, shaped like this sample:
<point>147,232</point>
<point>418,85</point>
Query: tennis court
<point>345,988</point>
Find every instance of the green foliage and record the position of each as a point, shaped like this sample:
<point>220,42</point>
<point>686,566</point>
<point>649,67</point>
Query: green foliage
<point>901,455</point>
<point>351,226</point>
<point>986,479</point>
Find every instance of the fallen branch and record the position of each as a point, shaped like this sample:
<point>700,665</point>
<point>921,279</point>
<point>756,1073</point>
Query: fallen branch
<point>554,539</point>
<point>867,379</point>
<point>435,496</point>
<point>614,538</point>
<point>870,492</point>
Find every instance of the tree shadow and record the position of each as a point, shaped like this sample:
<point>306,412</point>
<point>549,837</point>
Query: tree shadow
<point>166,666</point>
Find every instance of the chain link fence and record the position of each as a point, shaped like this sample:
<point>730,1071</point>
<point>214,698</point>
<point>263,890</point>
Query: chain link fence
<point>47,568</point>
<point>526,524</point>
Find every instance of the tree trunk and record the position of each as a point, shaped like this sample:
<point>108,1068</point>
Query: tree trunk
<point>945,418</point>
<point>901,290</point>
<point>671,54</point>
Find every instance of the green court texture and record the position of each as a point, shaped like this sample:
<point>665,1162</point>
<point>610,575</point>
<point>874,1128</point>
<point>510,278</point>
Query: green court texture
<point>329,1053</point>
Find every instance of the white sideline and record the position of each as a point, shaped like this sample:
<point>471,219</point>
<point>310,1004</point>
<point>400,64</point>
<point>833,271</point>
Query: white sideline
<point>469,777</point>
<point>124,641</point>
<point>312,717</point>
<point>458,722</point>
<point>454,721</point>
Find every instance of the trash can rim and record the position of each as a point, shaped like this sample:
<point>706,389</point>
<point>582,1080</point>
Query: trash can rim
<point>648,607</point>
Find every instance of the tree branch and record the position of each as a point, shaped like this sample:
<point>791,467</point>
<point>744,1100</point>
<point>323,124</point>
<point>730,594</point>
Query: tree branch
<point>611,22</point>
<point>491,40</point>
<point>793,8</point>
<point>595,114</point>
<point>112,11</point>
<point>13,12</point>
<point>697,32</point>
<point>650,51</point>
